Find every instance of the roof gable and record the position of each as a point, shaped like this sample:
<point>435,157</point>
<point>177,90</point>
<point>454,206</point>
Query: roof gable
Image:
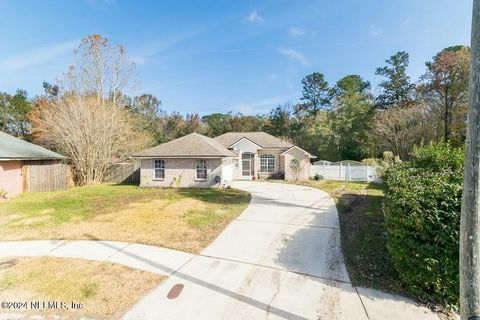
<point>262,139</point>
<point>298,149</point>
<point>18,149</point>
<point>243,140</point>
<point>191,145</point>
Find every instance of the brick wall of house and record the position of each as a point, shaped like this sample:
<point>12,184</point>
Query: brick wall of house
<point>305,160</point>
<point>278,171</point>
<point>184,168</point>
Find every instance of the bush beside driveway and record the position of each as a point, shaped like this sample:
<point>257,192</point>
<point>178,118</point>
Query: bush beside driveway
<point>423,201</point>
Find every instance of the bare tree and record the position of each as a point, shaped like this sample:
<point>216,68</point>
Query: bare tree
<point>100,69</point>
<point>85,118</point>
<point>92,134</point>
<point>398,129</point>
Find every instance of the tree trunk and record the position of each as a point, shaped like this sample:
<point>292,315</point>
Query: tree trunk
<point>469,225</point>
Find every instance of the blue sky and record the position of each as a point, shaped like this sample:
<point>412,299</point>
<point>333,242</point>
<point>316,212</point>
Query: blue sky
<point>236,55</point>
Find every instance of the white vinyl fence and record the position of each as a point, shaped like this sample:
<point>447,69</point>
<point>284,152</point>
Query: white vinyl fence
<point>344,172</point>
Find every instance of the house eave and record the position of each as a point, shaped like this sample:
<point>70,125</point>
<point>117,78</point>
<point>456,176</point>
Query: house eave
<point>231,146</point>
<point>183,157</point>
<point>29,159</point>
<point>311,156</point>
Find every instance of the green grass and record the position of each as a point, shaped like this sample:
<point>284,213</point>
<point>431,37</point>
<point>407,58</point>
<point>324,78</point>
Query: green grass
<point>364,239</point>
<point>184,219</point>
<point>77,203</point>
<point>332,186</point>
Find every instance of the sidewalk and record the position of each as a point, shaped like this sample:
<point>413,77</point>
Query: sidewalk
<point>149,258</point>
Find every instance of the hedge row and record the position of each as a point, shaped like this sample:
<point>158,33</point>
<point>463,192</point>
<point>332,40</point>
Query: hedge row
<point>422,211</point>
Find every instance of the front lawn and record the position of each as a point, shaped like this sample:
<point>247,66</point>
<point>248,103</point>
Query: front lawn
<point>182,219</point>
<point>100,290</point>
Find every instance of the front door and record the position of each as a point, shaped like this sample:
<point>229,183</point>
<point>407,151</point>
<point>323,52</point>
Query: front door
<point>247,165</point>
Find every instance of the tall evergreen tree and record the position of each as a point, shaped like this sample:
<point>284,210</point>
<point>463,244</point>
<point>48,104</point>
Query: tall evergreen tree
<point>14,111</point>
<point>316,93</point>
<point>352,116</point>
<point>396,89</point>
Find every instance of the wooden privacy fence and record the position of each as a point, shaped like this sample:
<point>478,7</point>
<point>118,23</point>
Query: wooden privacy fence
<point>128,172</point>
<point>344,172</point>
<point>45,176</point>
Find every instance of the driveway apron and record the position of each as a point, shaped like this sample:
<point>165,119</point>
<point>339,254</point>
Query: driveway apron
<point>280,259</point>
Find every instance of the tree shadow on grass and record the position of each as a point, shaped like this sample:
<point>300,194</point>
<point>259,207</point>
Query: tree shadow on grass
<point>211,195</point>
<point>218,196</point>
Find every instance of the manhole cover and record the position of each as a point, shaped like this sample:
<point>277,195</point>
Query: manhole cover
<point>175,291</point>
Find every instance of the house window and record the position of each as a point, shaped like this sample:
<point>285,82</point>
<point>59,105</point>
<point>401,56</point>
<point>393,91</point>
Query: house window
<point>201,170</point>
<point>267,163</point>
<point>159,167</point>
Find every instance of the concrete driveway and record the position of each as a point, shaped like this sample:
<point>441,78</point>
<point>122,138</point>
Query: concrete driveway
<point>280,259</point>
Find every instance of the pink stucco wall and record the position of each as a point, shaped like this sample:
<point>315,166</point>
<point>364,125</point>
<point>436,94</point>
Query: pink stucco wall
<point>11,177</point>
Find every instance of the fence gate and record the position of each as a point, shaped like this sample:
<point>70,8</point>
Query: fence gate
<point>44,176</point>
<point>123,173</point>
<point>344,172</point>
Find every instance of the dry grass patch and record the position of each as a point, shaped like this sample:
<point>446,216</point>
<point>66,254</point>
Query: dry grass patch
<point>183,219</point>
<point>106,290</point>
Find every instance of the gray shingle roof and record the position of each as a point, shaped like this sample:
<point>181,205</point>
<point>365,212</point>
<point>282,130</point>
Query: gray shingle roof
<point>191,145</point>
<point>263,139</point>
<point>18,149</point>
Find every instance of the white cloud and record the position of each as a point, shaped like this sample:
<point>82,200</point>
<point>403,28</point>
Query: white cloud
<point>295,55</point>
<point>255,17</point>
<point>296,32</point>
<point>263,105</point>
<point>147,52</point>
<point>38,56</point>
<point>375,31</point>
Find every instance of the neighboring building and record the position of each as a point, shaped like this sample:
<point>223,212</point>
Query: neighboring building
<point>348,163</point>
<point>199,161</point>
<point>27,167</point>
<point>322,162</point>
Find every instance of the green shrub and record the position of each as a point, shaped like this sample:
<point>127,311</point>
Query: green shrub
<point>382,164</point>
<point>422,211</point>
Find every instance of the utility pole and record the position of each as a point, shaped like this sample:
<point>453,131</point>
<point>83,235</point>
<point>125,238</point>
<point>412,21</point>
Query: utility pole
<point>470,218</point>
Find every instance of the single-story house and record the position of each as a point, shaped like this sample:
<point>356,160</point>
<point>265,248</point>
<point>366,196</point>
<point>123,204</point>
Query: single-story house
<point>27,167</point>
<point>195,160</point>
